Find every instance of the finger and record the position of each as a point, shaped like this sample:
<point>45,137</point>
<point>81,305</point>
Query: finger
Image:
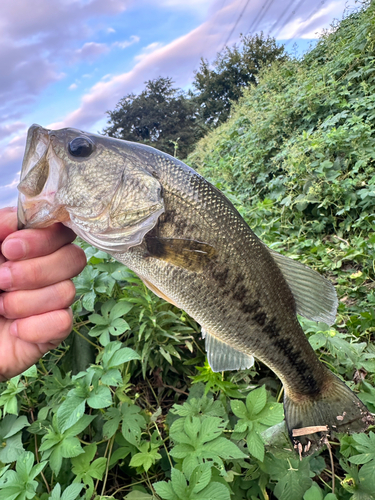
<point>24,303</point>
<point>32,274</point>
<point>8,222</point>
<point>31,243</point>
<point>50,328</point>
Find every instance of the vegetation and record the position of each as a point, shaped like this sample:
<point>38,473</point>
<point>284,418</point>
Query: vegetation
<point>220,84</point>
<point>128,407</point>
<point>173,121</point>
<point>161,116</point>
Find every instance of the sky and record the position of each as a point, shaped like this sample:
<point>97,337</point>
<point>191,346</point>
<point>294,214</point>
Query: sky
<point>65,63</point>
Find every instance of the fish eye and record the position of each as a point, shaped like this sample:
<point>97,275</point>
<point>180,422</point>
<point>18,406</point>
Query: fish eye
<point>81,147</point>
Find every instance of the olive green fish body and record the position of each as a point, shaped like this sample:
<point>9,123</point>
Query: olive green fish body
<point>238,294</point>
<point>189,244</point>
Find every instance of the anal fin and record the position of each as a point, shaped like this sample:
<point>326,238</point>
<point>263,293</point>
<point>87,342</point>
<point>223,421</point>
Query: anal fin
<point>223,357</point>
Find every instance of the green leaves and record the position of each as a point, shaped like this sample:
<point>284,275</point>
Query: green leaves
<point>200,486</point>
<point>110,322</point>
<point>148,456</point>
<point>90,282</point>
<point>20,484</point>
<point>57,445</point>
<point>132,423</point>
<point>70,493</point>
<point>297,160</point>
<point>198,439</point>
<point>87,469</point>
<point>11,437</point>
<point>255,417</point>
<point>8,399</point>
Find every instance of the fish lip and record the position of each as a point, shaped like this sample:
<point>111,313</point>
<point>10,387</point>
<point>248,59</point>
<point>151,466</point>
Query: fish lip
<point>37,143</point>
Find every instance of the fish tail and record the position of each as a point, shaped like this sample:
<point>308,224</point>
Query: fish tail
<point>311,420</point>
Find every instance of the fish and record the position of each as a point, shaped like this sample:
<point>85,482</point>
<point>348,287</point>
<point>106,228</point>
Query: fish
<point>190,246</point>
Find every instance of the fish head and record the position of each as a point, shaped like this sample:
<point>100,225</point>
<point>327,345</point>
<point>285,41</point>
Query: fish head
<point>98,186</point>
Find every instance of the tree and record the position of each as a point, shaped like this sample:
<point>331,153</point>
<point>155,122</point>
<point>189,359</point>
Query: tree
<point>234,68</point>
<point>161,116</point>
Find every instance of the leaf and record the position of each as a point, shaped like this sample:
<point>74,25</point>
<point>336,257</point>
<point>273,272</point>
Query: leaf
<point>138,495</point>
<point>70,447</point>
<point>98,467</point>
<point>70,412</point>
<point>164,490</point>
<point>80,426</point>
<point>200,477</point>
<point>256,401</point>
<point>24,465</point>
<point>132,423</point>
<point>313,493</point>
<point>255,445</point>
<point>224,448</point>
<point>215,491</point>
<point>179,483</point>
<point>101,397</point>
<point>147,457</point>
<point>120,309</point>
<point>238,408</point>
<point>72,491</point>
<point>122,356</point>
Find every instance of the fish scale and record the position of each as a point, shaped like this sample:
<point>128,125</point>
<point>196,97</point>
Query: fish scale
<point>190,246</point>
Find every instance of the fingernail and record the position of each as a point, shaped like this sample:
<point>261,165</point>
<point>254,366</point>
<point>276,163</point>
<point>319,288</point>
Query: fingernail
<point>14,249</point>
<point>1,305</point>
<point>5,278</point>
<point>13,330</point>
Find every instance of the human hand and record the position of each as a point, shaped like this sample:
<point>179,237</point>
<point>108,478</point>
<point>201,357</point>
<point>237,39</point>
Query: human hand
<point>35,291</point>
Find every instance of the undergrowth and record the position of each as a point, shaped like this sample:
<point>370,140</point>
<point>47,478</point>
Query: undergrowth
<point>128,407</point>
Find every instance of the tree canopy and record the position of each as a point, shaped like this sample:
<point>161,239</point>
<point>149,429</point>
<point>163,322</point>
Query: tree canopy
<point>161,116</point>
<point>218,84</point>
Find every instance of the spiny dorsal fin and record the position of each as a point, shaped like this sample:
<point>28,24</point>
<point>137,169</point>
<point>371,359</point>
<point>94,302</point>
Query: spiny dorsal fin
<point>315,296</point>
<point>223,357</point>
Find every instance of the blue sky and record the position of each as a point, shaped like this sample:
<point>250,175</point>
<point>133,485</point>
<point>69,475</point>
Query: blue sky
<point>64,63</point>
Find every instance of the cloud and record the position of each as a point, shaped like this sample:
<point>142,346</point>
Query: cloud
<point>310,26</point>
<point>91,50</point>
<point>177,59</point>
<point>7,130</point>
<point>127,43</point>
<point>149,49</point>
<point>10,167</point>
<point>37,40</point>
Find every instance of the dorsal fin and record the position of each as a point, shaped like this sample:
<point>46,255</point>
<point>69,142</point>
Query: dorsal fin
<point>315,296</point>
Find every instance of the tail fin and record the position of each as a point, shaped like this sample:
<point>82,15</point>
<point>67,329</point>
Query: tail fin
<point>311,420</point>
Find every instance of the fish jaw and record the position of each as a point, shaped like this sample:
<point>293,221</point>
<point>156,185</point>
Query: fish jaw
<point>41,171</point>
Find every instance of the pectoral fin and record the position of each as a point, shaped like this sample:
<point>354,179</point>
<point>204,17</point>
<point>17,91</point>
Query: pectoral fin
<point>223,357</point>
<point>188,254</point>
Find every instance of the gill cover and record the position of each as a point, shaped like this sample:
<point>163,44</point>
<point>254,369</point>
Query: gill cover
<point>132,212</point>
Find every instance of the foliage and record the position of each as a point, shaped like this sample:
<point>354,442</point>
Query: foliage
<point>303,138</point>
<point>221,83</point>
<point>161,116</point>
<point>127,407</point>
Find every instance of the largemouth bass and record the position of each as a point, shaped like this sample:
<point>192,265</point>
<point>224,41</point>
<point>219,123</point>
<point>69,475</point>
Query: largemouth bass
<point>190,246</point>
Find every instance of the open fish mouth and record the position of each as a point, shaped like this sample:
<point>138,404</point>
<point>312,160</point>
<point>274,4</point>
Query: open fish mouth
<point>40,174</point>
